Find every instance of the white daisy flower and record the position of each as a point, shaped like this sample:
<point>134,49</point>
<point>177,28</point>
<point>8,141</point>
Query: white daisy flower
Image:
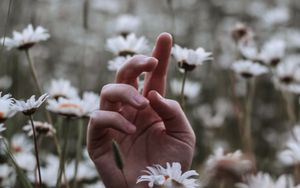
<point>7,176</point>
<point>272,52</point>
<point>26,39</point>
<point>21,148</point>
<point>90,103</point>
<point>29,106</point>
<point>116,63</point>
<point>285,72</point>
<point>6,107</point>
<point>188,59</point>
<point>5,82</point>
<point>62,88</point>
<point>49,172</point>
<point>130,45</point>
<point>276,16</point>
<point>241,32</point>
<point>169,177</point>
<point>248,69</point>
<point>265,180</point>
<point>2,128</point>
<point>192,89</point>
<point>41,128</point>
<point>126,24</point>
<point>66,107</point>
<point>291,155</point>
<point>233,165</point>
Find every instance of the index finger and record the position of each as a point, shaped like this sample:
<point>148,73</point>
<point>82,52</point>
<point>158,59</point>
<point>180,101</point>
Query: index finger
<point>156,80</point>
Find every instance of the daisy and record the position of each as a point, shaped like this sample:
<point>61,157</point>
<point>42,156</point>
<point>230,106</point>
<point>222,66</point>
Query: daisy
<point>66,107</point>
<point>241,32</point>
<point>265,180</point>
<point>272,52</point>
<point>228,165</point>
<point>188,59</point>
<point>41,128</point>
<point>7,176</point>
<point>291,154</point>
<point>248,69</point>
<point>169,177</point>
<point>26,39</point>
<point>90,103</point>
<point>6,107</point>
<point>31,105</point>
<point>116,63</point>
<point>126,24</point>
<point>62,88</point>
<point>21,148</point>
<point>192,89</point>
<point>130,45</point>
<point>285,72</point>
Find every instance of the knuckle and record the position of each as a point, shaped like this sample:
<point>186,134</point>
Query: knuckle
<point>106,89</point>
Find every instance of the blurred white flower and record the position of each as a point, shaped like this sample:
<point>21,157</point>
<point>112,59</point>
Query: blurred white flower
<point>62,88</point>
<point>276,16</point>
<point>188,59</point>
<point>129,45</point>
<point>265,180</point>
<point>285,72</point>
<point>293,38</point>
<point>29,106</point>
<point>291,155</point>
<point>192,89</point>
<point>86,171</point>
<point>7,176</point>
<point>41,128</point>
<point>2,128</point>
<point>66,107</point>
<point>242,33</point>
<point>248,69</point>
<point>75,107</point>
<point>272,52</point>
<point>169,177</point>
<point>26,39</point>
<point>49,172</point>
<point>21,148</point>
<point>6,107</point>
<point>126,24</point>
<point>248,50</point>
<point>116,63</point>
<point>5,82</point>
<point>90,103</point>
<point>232,165</point>
<point>214,116</point>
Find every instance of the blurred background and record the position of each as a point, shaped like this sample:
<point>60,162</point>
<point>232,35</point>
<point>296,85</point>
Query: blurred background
<point>77,52</point>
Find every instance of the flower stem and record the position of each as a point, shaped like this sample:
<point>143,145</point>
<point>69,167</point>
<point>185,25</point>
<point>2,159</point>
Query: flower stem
<point>36,152</point>
<point>78,151</point>
<point>248,111</point>
<point>33,72</point>
<point>182,89</point>
<point>63,153</point>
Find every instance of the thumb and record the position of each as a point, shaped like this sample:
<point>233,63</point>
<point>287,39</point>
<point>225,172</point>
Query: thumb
<point>170,112</point>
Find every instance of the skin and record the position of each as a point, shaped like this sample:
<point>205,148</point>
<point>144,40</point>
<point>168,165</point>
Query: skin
<point>149,128</point>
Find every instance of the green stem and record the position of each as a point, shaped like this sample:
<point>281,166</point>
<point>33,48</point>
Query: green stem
<point>36,152</point>
<point>86,14</point>
<point>78,150</point>
<point>248,119</point>
<point>182,89</point>
<point>63,153</point>
<point>33,72</point>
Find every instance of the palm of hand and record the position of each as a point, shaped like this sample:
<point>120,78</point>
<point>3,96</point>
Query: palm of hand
<point>150,144</point>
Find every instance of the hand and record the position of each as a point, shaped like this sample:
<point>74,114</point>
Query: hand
<point>148,128</point>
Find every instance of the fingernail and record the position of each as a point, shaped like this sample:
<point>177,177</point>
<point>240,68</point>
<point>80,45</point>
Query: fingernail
<point>140,99</point>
